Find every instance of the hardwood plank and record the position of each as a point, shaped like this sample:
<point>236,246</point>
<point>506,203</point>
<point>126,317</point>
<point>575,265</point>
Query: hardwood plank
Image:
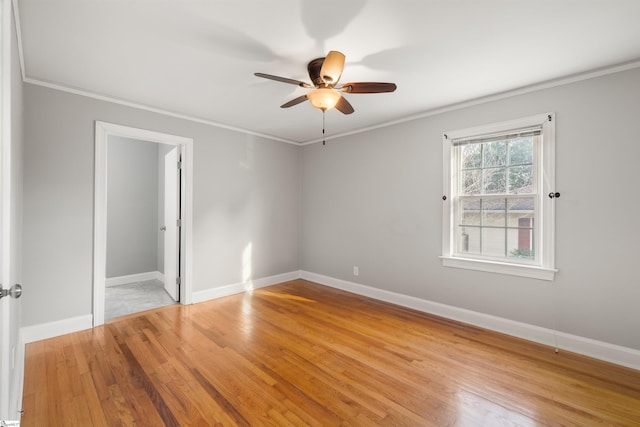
<point>303,354</point>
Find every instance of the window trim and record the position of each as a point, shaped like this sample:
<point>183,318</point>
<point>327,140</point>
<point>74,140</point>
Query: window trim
<point>544,267</point>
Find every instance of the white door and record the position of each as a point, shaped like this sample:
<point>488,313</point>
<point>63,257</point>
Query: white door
<point>8,304</point>
<point>5,303</point>
<point>9,252</point>
<point>171,232</point>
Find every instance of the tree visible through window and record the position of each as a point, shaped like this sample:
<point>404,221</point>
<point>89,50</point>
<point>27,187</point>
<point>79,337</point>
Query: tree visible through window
<point>496,191</point>
<point>495,177</point>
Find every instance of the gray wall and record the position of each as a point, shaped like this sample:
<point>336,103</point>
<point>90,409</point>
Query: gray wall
<point>132,206</point>
<point>246,190</point>
<point>374,200</point>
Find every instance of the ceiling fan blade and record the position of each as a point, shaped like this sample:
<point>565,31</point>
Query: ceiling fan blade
<point>368,87</point>
<point>295,101</point>
<point>344,106</point>
<point>332,67</point>
<point>283,80</point>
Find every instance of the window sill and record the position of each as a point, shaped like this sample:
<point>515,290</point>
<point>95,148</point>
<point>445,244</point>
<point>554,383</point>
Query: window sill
<point>533,272</point>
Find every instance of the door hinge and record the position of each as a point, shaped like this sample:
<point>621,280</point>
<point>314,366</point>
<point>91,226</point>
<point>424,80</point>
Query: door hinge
<point>179,164</point>
<point>179,222</point>
<point>178,281</point>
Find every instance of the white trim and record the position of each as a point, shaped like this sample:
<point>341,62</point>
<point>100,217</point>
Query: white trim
<point>500,127</point>
<point>134,278</point>
<point>61,327</point>
<point>16,18</point>
<point>491,98</point>
<point>99,226</point>
<point>186,207</point>
<point>522,270</point>
<point>44,331</point>
<point>619,355</point>
<point>102,131</point>
<point>118,101</point>
<point>608,352</point>
<point>236,288</point>
<point>429,113</point>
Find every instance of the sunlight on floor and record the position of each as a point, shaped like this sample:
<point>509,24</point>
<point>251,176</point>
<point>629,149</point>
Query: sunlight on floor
<point>283,296</point>
<point>474,410</point>
<point>247,259</point>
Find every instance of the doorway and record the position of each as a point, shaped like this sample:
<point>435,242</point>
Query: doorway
<point>143,232</point>
<point>123,238</point>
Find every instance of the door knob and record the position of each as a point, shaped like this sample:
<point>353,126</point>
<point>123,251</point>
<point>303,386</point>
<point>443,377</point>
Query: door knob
<point>14,292</point>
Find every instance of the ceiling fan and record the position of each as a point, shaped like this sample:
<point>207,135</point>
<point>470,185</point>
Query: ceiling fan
<point>325,95</point>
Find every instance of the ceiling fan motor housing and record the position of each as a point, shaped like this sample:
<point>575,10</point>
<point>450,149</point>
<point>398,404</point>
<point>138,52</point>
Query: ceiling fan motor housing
<point>314,68</point>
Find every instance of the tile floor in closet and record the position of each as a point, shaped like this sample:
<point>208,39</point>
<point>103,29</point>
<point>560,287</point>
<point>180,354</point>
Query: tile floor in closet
<point>135,297</point>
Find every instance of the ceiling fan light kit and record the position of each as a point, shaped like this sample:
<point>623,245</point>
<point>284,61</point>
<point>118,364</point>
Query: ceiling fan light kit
<point>325,74</point>
<point>324,98</point>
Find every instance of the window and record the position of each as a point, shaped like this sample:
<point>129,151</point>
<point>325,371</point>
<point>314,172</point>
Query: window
<point>498,214</point>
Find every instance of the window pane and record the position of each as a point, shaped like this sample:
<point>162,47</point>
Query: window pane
<point>468,240</point>
<point>493,242</point>
<point>470,212</point>
<point>470,181</point>
<point>521,151</point>
<point>521,179</point>
<point>471,156</point>
<point>494,180</point>
<point>494,153</point>
<point>493,213</point>
<point>520,243</point>
<point>519,210</point>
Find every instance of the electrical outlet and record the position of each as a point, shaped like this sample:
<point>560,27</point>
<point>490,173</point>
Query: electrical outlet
<point>356,271</point>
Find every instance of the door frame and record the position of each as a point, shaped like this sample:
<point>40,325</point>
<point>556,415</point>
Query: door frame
<point>102,132</point>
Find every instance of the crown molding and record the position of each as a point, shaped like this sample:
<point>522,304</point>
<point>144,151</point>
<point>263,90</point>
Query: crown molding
<point>122,102</point>
<point>440,110</point>
<point>490,98</point>
<point>16,18</point>
<point>453,107</point>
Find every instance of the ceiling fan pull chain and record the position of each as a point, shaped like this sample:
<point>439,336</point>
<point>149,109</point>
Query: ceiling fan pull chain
<point>323,141</point>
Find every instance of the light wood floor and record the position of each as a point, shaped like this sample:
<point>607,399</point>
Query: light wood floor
<point>304,354</point>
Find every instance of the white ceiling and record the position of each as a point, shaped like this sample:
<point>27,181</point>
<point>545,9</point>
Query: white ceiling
<point>197,58</point>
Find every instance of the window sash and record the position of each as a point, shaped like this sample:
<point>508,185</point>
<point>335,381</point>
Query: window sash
<point>507,166</point>
<point>459,223</point>
<point>459,196</point>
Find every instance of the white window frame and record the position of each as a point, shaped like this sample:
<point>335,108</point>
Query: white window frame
<point>544,265</point>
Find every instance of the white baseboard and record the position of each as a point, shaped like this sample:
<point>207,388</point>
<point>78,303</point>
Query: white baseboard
<point>133,278</point>
<point>236,288</point>
<point>619,355</point>
<point>75,324</point>
<point>597,349</point>
<point>57,328</point>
